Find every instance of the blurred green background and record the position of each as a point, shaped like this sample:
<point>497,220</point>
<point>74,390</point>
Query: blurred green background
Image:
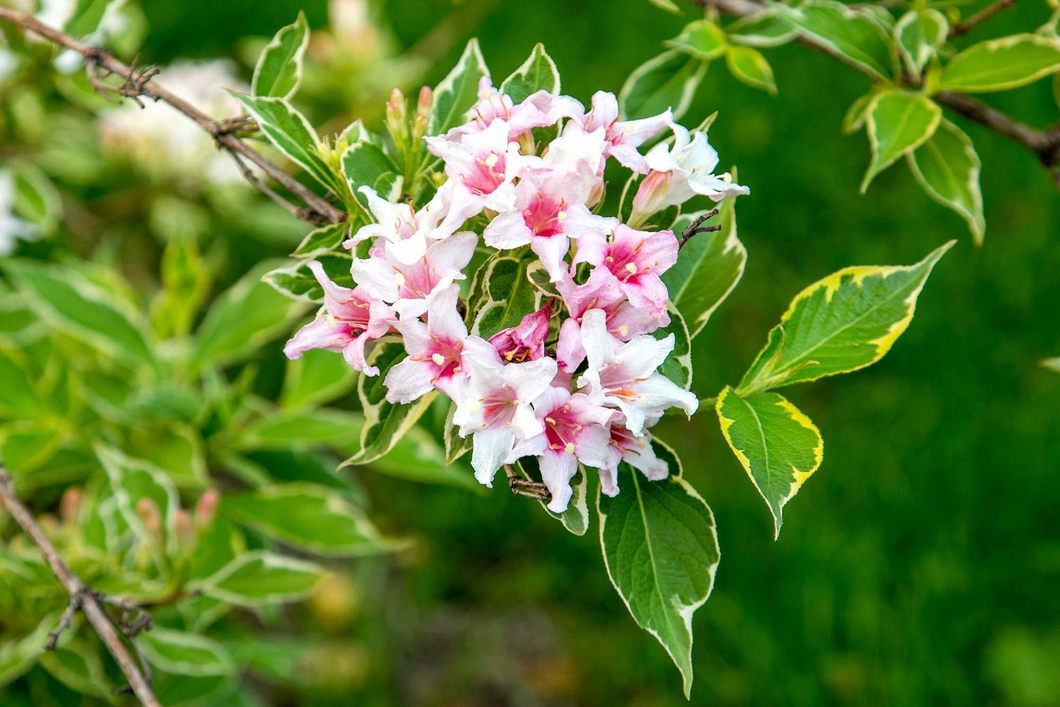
<point>919,566</point>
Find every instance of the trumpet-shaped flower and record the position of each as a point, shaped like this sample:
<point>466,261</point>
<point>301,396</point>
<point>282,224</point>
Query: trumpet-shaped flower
<point>436,352</point>
<point>636,259</point>
<point>352,319</point>
<point>548,213</point>
<point>638,452</point>
<point>402,229</point>
<point>690,162</point>
<point>575,430</point>
<point>496,407</point>
<point>537,110</point>
<point>411,288</point>
<point>525,342</point>
<point>623,137</point>
<point>623,374</point>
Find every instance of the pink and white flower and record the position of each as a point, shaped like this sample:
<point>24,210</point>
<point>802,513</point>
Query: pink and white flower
<point>525,342</point>
<point>623,137</point>
<point>624,375</point>
<point>549,211</point>
<point>637,259</point>
<point>352,319</point>
<point>401,228</point>
<point>436,352</point>
<point>496,408</point>
<point>411,288</point>
<point>538,110</point>
<point>575,431</point>
<point>638,452</point>
<point>690,162</point>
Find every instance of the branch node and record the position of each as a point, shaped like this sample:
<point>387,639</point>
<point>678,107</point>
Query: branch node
<point>698,227</point>
<point>526,487</point>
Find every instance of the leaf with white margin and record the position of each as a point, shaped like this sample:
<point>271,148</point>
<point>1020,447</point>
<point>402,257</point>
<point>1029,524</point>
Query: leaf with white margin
<point>259,578</point>
<point>537,73</point>
<point>309,517</point>
<point>317,377</point>
<point>455,445</point>
<point>134,480</point>
<point>898,123</point>
<point>78,664</point>
<point>1001,64</point>
<point>322,240</point>
<point>296,281</point>
<point>777,445</point>
<point>660,548</point>
<point>947,167</point>
<point>363,164</point>
<point>290,132</point>
<point>919,34</point>
<point>762,29</point>
<point>748,65</point>
<point>279,69</point>
<point>857,113</point>
<point>842,323</point>
<point>853,36</point>
<point>505,294</point>
<point>458,91</point>
<point>702,39</point>
<point>678,365</point>
<point>386,423</point>
<point>669,80</point>
<point>183,653</point>
<point>418,456</point>
<point>576,517</point>
<point>19,655</point>
<point>708,268</point>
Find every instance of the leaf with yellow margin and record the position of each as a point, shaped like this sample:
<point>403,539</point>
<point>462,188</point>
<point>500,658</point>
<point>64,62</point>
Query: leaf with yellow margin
<point>847,321</point>
<point>777,445</point>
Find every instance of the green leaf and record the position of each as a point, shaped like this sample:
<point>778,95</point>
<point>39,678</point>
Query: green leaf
<point>898,123</point>
<point>362,165</point>
<point>537,73</point>
<point>218,545</point>
<point>418,456</point>
<point>321,241</point>
<point>666,81</point>
<point>1001,64</point>
<point>576,517</point>
<point>702,39</point>
<point>176,450</point>
<point>17,396</point>
<point>762,29</point>
<point>66,299</point>
<point>297,282</point>
<point>505,294</point>
<point>132,481</point>
<point>259,578</point>
<point>79,666</point>
<point>386,423</point>
<point>857,113</point>
<point>845,322</point>
<point>707,270</point>
<point>310,518</point>
<point>777,445</point>
<point>243,318</point>
<point>183,653</point>
<point>279,69</point>
<point>1051,364</point>
<point>292,135</point>
<point>748,65</point>
<point>919,34</point>
<point>317,377</point>
<point>303,429</point>
<point>19,655</point>
<point>668,5</point>
<point>855,37</point>
<point>458,91</point>
<point>455,445</point>
<point>678,365</point>
<point>661,552</point>
<point>947,167</point>
<point>36,200</point>
<point>186,282</point>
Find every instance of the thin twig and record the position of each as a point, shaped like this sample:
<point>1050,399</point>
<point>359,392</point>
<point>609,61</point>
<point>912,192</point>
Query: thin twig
<point>985,14</point>
<point>220,131</point>
<point>1043,143</point>
<point>526,487</point>
<point>698,227</point>
<point>81,596</point>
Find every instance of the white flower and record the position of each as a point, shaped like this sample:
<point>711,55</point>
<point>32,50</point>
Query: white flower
<point>690,162</point>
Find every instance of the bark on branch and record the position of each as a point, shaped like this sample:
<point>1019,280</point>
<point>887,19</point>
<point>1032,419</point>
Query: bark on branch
<point>81,596</point>
<point>317,209</point>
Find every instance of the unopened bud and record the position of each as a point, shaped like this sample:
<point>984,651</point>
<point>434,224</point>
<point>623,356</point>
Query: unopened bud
<point>397,119</point>
<point>425,102</point>
<point>206,508</point>
<point>185,528</point>
<point>148,512</point>
<point>651,196</point>
<point>527,146</point>
<point>70,504</point>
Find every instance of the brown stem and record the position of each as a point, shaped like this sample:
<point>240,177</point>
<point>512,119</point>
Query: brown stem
<point>1043,143</point>
<point>220,131</point>
<point>698,227</point>
<point>80,595</point>
<point>985,14</point>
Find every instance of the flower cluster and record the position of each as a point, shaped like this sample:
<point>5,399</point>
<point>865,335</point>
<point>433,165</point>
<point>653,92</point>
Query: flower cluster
<point>575,382</point>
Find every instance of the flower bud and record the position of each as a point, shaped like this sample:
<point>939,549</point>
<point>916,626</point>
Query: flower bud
<point>397,118</point>
<point>425,103</point>
<point>149,516</point>
<point>206,508</point>
<point>185,529</point>
<point>651,196</point>
<point>70,504</point>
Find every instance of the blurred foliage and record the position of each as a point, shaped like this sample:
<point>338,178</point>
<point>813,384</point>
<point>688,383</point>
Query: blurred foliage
<point>920,566</point>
